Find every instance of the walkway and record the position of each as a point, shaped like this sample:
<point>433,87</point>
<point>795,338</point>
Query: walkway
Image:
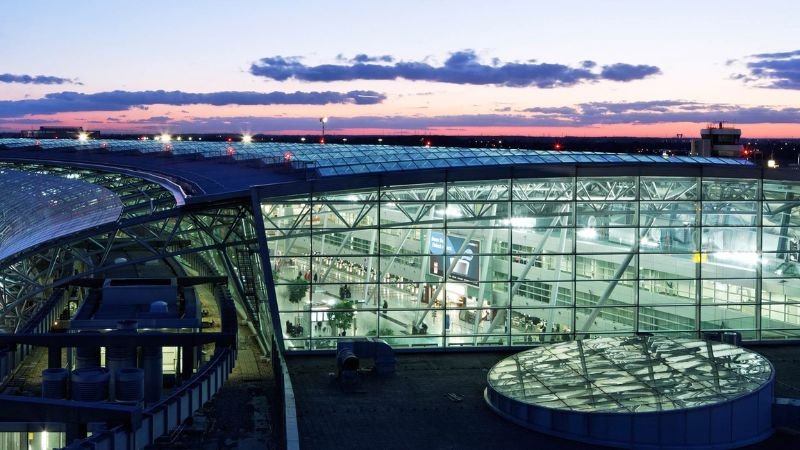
<point>238,417</point>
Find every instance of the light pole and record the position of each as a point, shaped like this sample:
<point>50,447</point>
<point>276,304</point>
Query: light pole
<point>323,121</point>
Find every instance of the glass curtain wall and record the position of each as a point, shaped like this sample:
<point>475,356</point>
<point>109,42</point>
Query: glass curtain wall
<point>525,261</point>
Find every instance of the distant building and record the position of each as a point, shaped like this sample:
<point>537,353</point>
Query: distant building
<point>57,133</point>
<point>718,141</point>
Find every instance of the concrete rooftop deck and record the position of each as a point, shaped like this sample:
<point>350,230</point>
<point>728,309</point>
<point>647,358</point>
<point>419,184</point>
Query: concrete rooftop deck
<point>412,410</point>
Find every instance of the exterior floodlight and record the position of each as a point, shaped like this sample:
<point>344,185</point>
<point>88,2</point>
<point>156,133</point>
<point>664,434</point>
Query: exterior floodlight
<point>83,136</point>
<point>247,139</point>
<point>165,137</point>
<point>323,121</point>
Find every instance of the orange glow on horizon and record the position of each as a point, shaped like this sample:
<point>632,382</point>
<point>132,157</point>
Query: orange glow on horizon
<point>132,122</point>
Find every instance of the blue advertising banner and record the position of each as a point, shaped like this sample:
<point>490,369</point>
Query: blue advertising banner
<point>443,255</point>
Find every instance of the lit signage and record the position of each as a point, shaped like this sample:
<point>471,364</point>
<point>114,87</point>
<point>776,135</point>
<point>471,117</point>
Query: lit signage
<point>444,253</point>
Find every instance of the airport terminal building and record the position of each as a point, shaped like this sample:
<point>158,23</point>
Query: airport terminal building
<point>426,248</point>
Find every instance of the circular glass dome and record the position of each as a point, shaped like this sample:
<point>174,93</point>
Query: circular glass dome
<point>632,374</point>
<point>638,392</point>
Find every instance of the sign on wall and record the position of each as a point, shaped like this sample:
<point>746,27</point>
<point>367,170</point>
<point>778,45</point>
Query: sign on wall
<point>443,255</point>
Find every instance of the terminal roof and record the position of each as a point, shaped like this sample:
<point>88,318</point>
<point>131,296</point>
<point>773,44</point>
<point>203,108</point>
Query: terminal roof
<point>208,165</point>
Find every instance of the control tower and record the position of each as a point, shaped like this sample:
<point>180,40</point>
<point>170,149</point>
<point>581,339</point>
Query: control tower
<point>718,140</point>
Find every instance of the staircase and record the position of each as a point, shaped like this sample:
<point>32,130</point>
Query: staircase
<point>247,276</point>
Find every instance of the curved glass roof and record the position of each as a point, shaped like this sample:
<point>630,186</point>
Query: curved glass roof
<point>629,374</point>
<point>35,208</point>
<point>343,159</point>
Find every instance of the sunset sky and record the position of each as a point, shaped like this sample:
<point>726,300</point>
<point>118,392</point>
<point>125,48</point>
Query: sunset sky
<point>579,68</point>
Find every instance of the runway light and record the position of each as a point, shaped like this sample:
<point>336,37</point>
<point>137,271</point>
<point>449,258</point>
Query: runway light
<point>83,136</point>
<point>165,137</point>
<point>247,139</point>
<point>558,146</point>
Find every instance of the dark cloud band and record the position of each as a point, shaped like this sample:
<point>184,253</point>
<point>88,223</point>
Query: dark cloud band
<point>123,100</point>
<point>580,116</point>
<point>773,70</point>
<point>461,67</point>
<point>577,116</point>
<point>33,79</point>
<point>670,111</point>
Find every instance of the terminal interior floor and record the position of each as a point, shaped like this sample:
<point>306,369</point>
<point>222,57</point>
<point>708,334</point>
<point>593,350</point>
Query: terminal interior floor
<point>414,409</point>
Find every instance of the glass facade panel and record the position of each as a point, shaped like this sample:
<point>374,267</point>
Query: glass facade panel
<point>410,214</point>
<point>503,262</point>
<point>590,293</point>
<point>734,214</point>
<point>668,266</point>
<point>677,189</point>
<point>730,189</point>
<point>606,188</point>
<point>667,318</point>
<point>544,189</point>
<point>603,240</point>
<point>492,191</point>
<point>665,292</point>
<point>526,215</point>
<point>780,290</point>
<point>538,325</point>
<point>669,240</point>
<point>729,291</point>
<point>718,317</point>
<point>606,319</point>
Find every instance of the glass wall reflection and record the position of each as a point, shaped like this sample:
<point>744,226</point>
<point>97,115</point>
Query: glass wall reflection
<point>525,261</point>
